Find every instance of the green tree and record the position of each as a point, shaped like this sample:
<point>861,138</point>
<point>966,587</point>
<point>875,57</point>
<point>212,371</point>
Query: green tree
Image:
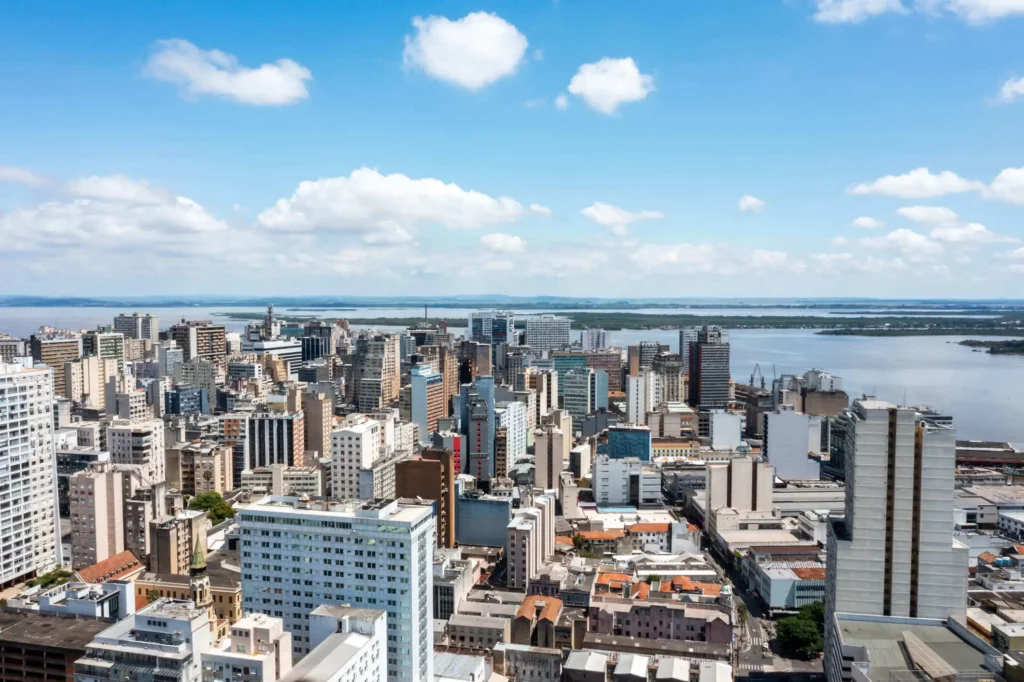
<point>741,613</point>
<point>577,543</point>
<point>214,505</point>
<point>799,636</point>
<point>653,578</point>
<point>815,612</point>
<point>152,595</point>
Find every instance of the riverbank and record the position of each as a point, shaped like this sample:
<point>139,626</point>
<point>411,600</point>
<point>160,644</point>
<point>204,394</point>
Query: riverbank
<point>1014,347</point>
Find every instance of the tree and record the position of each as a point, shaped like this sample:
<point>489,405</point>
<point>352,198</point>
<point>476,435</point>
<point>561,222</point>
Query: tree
<point>152,595</point>
<point>653,578</point>
<point>815,612</point>
<point>577,543</point>
<point>741,613</point>
<point>214,505</point>
<point>801,634</point>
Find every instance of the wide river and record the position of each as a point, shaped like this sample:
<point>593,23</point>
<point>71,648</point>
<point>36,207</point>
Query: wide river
<point>983,392</point>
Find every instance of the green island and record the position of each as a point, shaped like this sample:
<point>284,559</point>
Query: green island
<point>1015,347</point>
<point>1006,324</point>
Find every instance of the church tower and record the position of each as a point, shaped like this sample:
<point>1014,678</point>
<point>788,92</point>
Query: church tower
<point>199,581</point>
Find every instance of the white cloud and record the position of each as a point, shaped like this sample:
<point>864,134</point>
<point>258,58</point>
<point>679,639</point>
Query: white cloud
<point>535,103</point>
<point>839,263</point>
<point>118,188</point>
<point>538,55</point>
<point>369,203</point>
<point>967,233</point>
<point>617,219</point>
<point>212,72</point>
<point>932,215</point>
<point>1012,89</point>
<point>839,241</point>
<point>910,243</point>
<point>712,259</point>
<point>609,83</point>
<point>750,204</point>
<point>761,259</point>
<point>562,102</point>
<point>854,11</point>
<point>22,176</point>
<point>1008,187</point>
<point>503,243</point>
<point>981,11</point>
<point>471,52</point>
<point>917,184</point>
<point>866,223</point>
<point>537,209</point>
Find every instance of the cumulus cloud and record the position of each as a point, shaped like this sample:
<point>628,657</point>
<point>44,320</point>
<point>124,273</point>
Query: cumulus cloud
<point>981,11</point>
<point>22,176</point>
<point>750,204</point>
<point>866,223</point>
<point>708,259</point>
<point>913,244</point>
<point>617,219</point>
<point>917,184</point>
<point>967,233</point>
<point>1008,187</point>
<point>839,241</point>
<point>854,11</point>
<point>118,188</point>
<point>537,209</point>
<point>471,52</point>
<point>844,262</point>
<point>500,242</point>
<point>1012,89</point>
<point>370,203</point>
<point>934,215</point>
<point>562,102</point>
<point>212,72</point>
<point>609,83</point>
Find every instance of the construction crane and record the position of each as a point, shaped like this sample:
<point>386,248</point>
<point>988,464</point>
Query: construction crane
<point>757,373</point>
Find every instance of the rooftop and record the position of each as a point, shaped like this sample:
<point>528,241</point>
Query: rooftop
<point>111,568</point>
<point>323,663</point>
<point>35,629</point>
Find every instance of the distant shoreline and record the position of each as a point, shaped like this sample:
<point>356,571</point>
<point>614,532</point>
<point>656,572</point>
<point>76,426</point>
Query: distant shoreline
<point>1014,347</point>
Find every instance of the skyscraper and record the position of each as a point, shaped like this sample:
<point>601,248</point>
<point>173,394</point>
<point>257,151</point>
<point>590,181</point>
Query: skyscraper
<point>549,446</point>
<point>376,372</point>
<point>594,339</point>
<point>709,368</point>
<point>54,351</point>
<point>492,327</point>
<point>427,398</point>
<point>432,477</point>
<point>894,554</point>
<point>199,339</point>
<point>29,541</point>
<point>137,326</point>
<point>547,332</point>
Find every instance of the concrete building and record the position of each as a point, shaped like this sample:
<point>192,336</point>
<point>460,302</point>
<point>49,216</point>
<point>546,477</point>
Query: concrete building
<point>481,520</point>
<point>105,346</point>
<point>579,461</point>
<point>85,380</point>
<point>530,541</point>
<point>894,553</point>
<point>492,327</point>
<point>54,352</point>
<point>625,482</point>
<point>743,484</point>
<point>594,339</point>
<point>792,443</point>
<point>275,438</point>
<point>257,649</point>
<point>318,420</point>
<point>709,376</point>
<point>629,440</point>
<point>641,396</point>
<point>365,555</point>
<point>431,477</point>
<point>140,443</point>
<point>173,541</point>
<point>163,641</point>
<point>97,514</point>
<point>12,348</point>
<point>478,632</point>
<point>354,447</point>
<point>199,339</point>
<point>169,358</point>
<point>278,479</point>
<point>427,400</point>
<point>44,646</point>
<point>549,448</point>
<point>547,332</point>
<point>70,461</point>
<point>136,326</point>
<point>201,373</point>
<point>376,372</point>
<point>29,541</point>
<point>350,645</point>
<point>512,416</point>
<point>724,430</point>
<point>200,467</point>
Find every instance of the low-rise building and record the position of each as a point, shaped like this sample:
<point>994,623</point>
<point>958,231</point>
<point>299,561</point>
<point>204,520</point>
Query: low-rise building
<point>256,649</point>
<point>478,632</point>
<point>280,479</point>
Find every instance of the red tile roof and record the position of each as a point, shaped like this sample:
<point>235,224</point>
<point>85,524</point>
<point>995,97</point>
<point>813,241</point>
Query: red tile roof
<point>809,573</point>
<point>987,557</point>
<point>111,568</point>
<point>550,607</point>
<point>649,528</point>
<point>602,534</point>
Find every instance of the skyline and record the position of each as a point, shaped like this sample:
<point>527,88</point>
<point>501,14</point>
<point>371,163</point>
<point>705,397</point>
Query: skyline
<point>853,148</point>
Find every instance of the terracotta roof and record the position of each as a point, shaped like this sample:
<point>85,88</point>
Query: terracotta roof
<point>550,607</point>
<point>987,557</point>
<point>111,568</point>
<point>611,577</point>
<point>710,589</point>
<point>809,573</point>
<point>649,528</point>
<point>640,591</point>
<point>682,583</point>
<point>1018,549</point>
<point>562,540</point>
<point>692,527</point>
<point>602,534</point>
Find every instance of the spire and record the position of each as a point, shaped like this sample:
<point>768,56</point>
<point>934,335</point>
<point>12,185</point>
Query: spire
<point>198,563</point>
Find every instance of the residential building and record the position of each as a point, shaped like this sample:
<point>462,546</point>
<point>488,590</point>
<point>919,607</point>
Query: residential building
<point>140,443</point>
<point>85,380</point>
<point>627,482</point>
<point>199,339</point>
<point>318,420</point>
<point>201,373</point>
<point>893,553</point>
<point>641,396</point>
<point>431,476</point>
<point>187,400</point>
<point>547,332</point>
<point>257,649</point>
<point>449,440</point>
<point>233,430</point>
<point>594,339</point>
<point>173,541</point>
<point>530,541</point>
<point>348,646</point>
<point>287,351</point>
<point>375,556</point>
<point>105,346</point>
<point>427,400</point>
<point>512,416</point>
<point>199,467</point>
<point>136,326</point>
<point>709,377</point>
<point>54,352</point>
<point>29,541</point>
<point>279,479</point>
<point>275,438</point>
<point>97,514</point>
<point>354,447</point>
<point>169,359</point>
<point>12,348</point>
<point>162,641</point>
<point>549,448</point>
<point>376,372</point>
<point>69,462</point>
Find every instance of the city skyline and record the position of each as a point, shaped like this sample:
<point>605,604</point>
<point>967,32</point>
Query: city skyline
<point>854,147</point>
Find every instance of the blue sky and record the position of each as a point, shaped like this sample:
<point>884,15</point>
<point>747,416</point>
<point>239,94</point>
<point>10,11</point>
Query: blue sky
<point>705,148</point>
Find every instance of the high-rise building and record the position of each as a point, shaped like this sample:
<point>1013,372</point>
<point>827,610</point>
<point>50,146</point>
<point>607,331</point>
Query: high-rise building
<point>54,352</point>
<point>547,332</point>
<point>610,362</point>
<point>549,449</point>
<point>173,541</point>
<point>105,346</point>
<point>792,443</point>
<point>545,384</point>
<point>137,326</point>
<point>476,414</point>
<point>276,438</point>
<point>583,391</point>
<point>893,554</point>
<point>29,541</point>
<point>199,339</point>
<point>641,356</point>
<point>169,358</point>
<point>450,440</point>
<point>512,417</point>
<point>12,348</point>
<point>140,443</point>
<point>201,466</point>
<point>687,335</point>
<point>709,369</point>
<point>594,339</point>
<point>376,372</point>
<point>97,514</point>
<point>672,375</point>
<point>427,400</point>
<point>367,555</point>
<point>346,644</point>
<point>641,396</point>
<point>201,373</point>
<point>354,447</point>
<point>70,461</point>
<point>85,380</point>
<point>318,417</point>
<point>431,477</point>
<point>529,541</point>
<point>492,327</point>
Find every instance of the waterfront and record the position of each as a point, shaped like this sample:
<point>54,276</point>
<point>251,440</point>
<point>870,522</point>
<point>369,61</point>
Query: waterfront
<point>983,392</point>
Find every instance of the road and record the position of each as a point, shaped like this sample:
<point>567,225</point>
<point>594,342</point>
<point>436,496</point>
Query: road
<point>751,656</point>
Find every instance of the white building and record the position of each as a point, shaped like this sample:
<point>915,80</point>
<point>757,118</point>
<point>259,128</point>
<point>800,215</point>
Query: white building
<point>513,417</point>
<point>894,553</point>
<point>162,641</point>
<point>375,556</point>
<point>530,541</point>
<point>279,479</point>
<point>614,481</point>
<point>547,332</point>
<point>140,443</point>
<point>288,350</point>
<point>29,541</point>
<point>792,443</point>
<point>353,447</point>
<point>725,430</point>
<point>170,357</point>
<point>349,646</point>
<point>137,326</point>
<point>257,649</point>
<point>743,484</point>
<point>641,396</point>
<point>820,380</point>
<point>594,339</point>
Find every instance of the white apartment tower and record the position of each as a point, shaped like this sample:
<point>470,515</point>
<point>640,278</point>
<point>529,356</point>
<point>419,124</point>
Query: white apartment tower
<point>29,541</point>
<point>894,554</point>
<point>137,326</point>
<point>353,447</point>
<point>547,332</point>
<point>594,339</point>
<point>297,556</point>
<point>138,442</point>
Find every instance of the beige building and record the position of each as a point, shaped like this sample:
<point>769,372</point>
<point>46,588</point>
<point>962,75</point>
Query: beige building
<point>318,409</point>
<point>140,443</point>
<point>549,446</point>
<point>85,380</point>
<point>200,467</point>
<point>376,372</point>
<point>280,479</point>
<point>174,539</point>
<point>97,514</point>
<point>200,339</point>
<point>54,352</point>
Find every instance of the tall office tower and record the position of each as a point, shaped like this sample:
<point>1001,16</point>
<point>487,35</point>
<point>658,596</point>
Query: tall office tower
<point>276,438</point>
<point>594,339</point>
<point>137,326</point>
<point>549,448</point>
<point>373,555</point>
<point>576,395</point>
<point>450,440</point>
<point>476,416</point>
<point>140,443</point>
<point>199,339</point>
<point>54,352</point>
<point>376,372</point>
<point>169,358</point>
<point>477,356</point>
<point>318,329</point>
<point>670,367</point>
<point>85,380</point>
<point>431,476</point>
<point>641,396</point>
<point>29,541</point>
<point>426,400</point>
<point>315,347</point>
<point>894,553</point>
<point>492,327</point>
<point>354,447</point>
<point>449,369</point>
<point>547,332</point>
<point>687,335</point>
<point>610,362</point>
<point>709,369</point>
<point>318,418</point>
<point>105,346</point>
<point>97,514</point>
<point>515,362</point>
<point>641,356</point>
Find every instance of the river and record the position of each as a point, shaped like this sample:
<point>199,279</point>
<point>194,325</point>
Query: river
<point>983,392</point>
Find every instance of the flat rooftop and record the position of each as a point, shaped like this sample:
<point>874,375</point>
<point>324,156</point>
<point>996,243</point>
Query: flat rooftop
<point>323,663</point>
<point>39,630</point>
